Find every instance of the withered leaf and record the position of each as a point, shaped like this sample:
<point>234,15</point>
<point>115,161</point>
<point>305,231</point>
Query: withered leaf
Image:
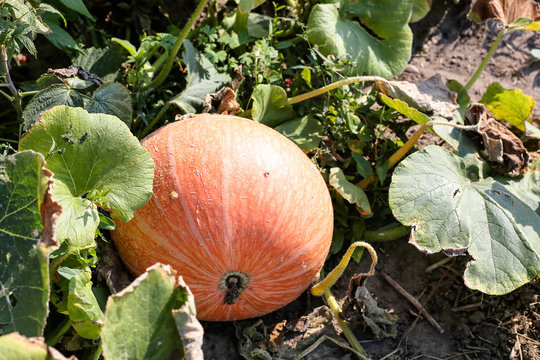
<point>429,96</point>
<point>75,71</point>
<point>382,323</point>
<point>222,102</point>
<point>502,145</point>
<point>506,11</point>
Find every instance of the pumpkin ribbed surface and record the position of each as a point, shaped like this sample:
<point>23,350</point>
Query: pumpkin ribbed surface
<point>233,200</point>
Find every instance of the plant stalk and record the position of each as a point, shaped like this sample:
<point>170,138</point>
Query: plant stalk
<point>16,101</point>
<point>484,63</point>
<point>58,332</point>
<point>176,47</point>
<point>388,234</point>
<point>155,120</point>
<point>332,86</point>
<point>334,306</point>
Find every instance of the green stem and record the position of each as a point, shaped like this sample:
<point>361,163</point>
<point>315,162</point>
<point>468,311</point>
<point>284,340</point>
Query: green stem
<point>29,93</point>
<point>155,120</point>
<point>484,63</point>
<point>16,101</point>
<point>176,47</point>
<point>332,86</point>
<point>9,140</point>
<point>7,96</point>
<point>58,332</point>
<point>387,234</point>
<point>334,306</point>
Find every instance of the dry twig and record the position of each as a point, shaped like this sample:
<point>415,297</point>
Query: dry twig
<point>413,301</point>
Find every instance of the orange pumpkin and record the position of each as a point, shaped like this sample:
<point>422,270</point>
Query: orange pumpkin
<point>238,210</point>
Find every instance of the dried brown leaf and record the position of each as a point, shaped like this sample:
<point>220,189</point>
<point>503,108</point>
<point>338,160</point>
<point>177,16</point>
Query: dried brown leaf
<point>222,102</point>
<point>502,145</point>
<point>506,11</point>
<point>49,211</point>
<point>428,96</point>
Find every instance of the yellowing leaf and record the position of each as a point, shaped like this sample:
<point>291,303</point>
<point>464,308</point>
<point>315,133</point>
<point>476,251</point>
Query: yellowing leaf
<point>508,105</point>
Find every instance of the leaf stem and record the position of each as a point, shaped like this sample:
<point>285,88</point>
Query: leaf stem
<point>387,234</point>
<point>323,288</point>
<point>7,96</point>
<point>334,306</point>
<point>176,47</point>
<point>484,63</point>
<point>58,332</point>
<point>16,101</point>
<point>332,86</point>
<point>155,120</point>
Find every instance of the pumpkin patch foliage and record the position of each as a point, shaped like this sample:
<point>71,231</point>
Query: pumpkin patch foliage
<point>164,165</point>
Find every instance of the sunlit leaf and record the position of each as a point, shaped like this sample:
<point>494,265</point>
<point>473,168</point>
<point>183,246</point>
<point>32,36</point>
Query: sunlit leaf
<point>139,322</point>
<point>349,191</point>
<point>91,155</point>
<point>270,105</point>
<point>306,132</point>
<point>509,105</point>
<point>451,210</point>
<point>374,35</point>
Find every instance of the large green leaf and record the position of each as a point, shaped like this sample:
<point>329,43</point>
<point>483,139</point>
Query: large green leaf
<point>449,209</point>
<point>24,278</point>
<point>92,156</point>
<point>379,45</point>
<point>509,105</point>
<point>58,94</point>
<point>306,132</point>
<point>113,99</point>
<point>139,322</point>
<point>202,79</point>
<point>270,105</point>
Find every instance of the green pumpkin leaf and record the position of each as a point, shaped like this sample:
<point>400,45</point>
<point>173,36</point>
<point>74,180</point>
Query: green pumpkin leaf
<point>306,132</point>
<point>139,322</point>
<point>113,99</point>
<point>420,9</point>
<point>105,63</point>
<point>58,94</point>
<point>60,37</point>
<point>526,187</point>
<point>349,191</point>
<point>450,210</point>
<point>245,6</point>
<point>270,105</point>
<point>17,347</point>
<point>82,305</point>
<point>78,6</point>
<point>90,154</point>
<point>202,79</point>
<point>383,49</point>
<point>27,217</point>
<point>509,105</point>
